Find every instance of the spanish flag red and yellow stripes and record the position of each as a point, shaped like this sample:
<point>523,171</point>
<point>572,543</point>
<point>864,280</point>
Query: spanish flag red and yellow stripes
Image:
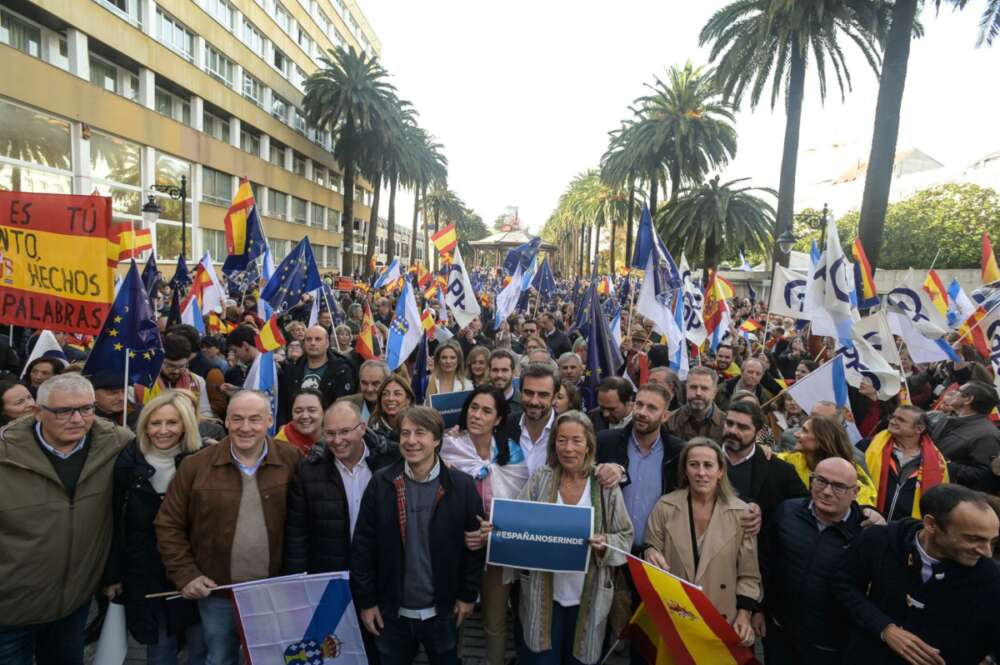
<point>236,218</point>
<point>750,326</point>
<point>428,320</point>
<point>971,332</point>
<point>270,337</point>
<point>935,288</point>
<point>676,624</point>
<point>365,345</point>
<point>866,284</point>
<point>445,239</point>
<point>127,242</point>
<point>988,262</point>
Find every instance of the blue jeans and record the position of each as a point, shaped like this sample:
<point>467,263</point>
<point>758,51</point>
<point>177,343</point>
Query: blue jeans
<point>401,638</point>
<point>58,642</point>
<point>164,652</point>
<point>561,653</point>
<point>218,622</point>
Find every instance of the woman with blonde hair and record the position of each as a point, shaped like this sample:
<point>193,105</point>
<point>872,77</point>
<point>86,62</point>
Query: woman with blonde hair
<point>167,431</point>
<point>448,374</point>
<point>820,438</point>
<point>695,533</point>
<point>477,365</point>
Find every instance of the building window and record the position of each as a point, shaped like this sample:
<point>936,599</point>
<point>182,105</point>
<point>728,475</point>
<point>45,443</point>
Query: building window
<point>172,106</point>
<point>279,108</point>
<point>277,205</point>
<point>304,40</point>
<point>217,187</point>
<point>103,74</point>
<point>27,136</point>
<point>299,207</point>
<point>279,249</point>
<point>250,142</point>
<point>214,242</point>
<point>116,171</point>
<point>215,127</point>
<point>221,11</point>
<point>332,218</point>
<point>253,89</point>
<point>282,17</point>
<point>298,164</point>
<point>219,65</point>
<point>323,20</point>
<point>173,34</point>
<point>20,34</point>
<point>277,156</point>
<point>253,37</point>
<point>299,79</point>
<point>298,121</point>
<point>319,175</point>
<point>316,218</point>
<point>281,62</point>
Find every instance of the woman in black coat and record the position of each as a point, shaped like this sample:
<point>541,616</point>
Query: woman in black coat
<point>167,431</point>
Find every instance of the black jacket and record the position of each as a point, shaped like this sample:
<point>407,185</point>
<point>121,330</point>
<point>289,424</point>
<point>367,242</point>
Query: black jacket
<point>772,482</point>
<point>558,343</point>
<point>879,583</point>
<point>969,443</point>
<point>338,381</point>
<point>798,562</point>
<point>612,448</point>
<point>135,559</point>
<point>377,556</point>
<point>318,525</point>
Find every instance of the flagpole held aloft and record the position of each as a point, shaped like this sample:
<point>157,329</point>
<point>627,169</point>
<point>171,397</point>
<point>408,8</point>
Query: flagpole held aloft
<point>125,410</point>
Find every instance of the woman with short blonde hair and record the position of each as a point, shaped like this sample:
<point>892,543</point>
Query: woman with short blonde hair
<point>190,440</point>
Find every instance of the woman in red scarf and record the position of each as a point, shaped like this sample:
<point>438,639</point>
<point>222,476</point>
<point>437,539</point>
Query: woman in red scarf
<point>303,430</point>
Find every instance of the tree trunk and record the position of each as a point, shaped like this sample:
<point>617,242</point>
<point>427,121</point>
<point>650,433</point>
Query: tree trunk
<point>390,240</point>
<point>597,245</point>
<point>373,225</point>
<point>416,214</point>
<point>675,183</point>
<point>790,152</point>
<point>437,227</point>
<point>631,217</point>
<point>579,259</point>
<point>711,259</point>
<point>427,240</point>
<point>614,246</point>
<point>878,179</point>
<point>347,217</point>
<point>654,185</point>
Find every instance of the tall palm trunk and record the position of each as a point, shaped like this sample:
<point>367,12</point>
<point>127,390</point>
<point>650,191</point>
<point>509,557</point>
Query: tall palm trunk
<point>373,225</point>
<point>416,214</point>
<point>675,182</point>
<point>878,179</point>
<point>654,190</point>
<point>790,152</point>
<point>347,217</point>
<point>390,241</point>
<point>437,227</point>
<point>711,258</point>
<point>631,219</point>
<point>597,244</point>
<point>614,245</point>
<point>579,262</point>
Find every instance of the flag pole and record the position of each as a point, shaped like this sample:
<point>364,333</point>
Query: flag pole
<point>125,410</point>
<point>631,302</point>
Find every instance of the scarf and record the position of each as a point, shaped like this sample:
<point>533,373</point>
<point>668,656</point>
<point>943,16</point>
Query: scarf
<point>289,434</point>
<point>144,395</point>
<point>502,482</point>
<point>932,472</point>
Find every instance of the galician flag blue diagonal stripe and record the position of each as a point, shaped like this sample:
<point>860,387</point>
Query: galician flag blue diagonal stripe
<point>327,615</point>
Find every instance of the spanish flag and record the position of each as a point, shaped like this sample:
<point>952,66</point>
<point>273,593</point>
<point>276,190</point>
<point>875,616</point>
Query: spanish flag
<point>445,239</point>
<point>867,296</point>
<point>935,288</point>
<point>988,262</point>
<point>126,242</point>
<point>270,336</point>
<point>971,332</point>
<point>749,326</point>
<point>715,307</point>
<point>365,345</point>
<point>676,624</point>
<point>428,320</point>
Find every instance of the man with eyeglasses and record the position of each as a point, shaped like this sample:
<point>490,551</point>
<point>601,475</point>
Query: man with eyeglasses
<point>969,440</point>
<point>174,373</point>
<point>799,552</point>
<point>223,518</point>
<point>55,521</point>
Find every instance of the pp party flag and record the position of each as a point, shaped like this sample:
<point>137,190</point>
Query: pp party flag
<point>694,325</point>
<point>295,275</point>
<point>300,620</point>
<point>389,276</point>
<point>543,281</point>
<point>244,235</point>
<point>787,293</point>
<point>263,377</point>
<point>875,330</point>
<point>603,358</point>
<point>126,242</point>
<point>270,336</point>
<point>814,254</point>
<point>863,277</point>
<point>831,298</point>
<point>459,295</point>
<point>446,239</point>
<point>129,337</point>
<point>47,346</point>
<point>913,301</point>
<point>405,331</point>
<point>922,349</point>
<point>365,344</point>
<point>507,299</point>
<point>826,383</point>
<point>988,262</point>
<point>676,624</point>
<point>934,287</point>
<point>862,361</point>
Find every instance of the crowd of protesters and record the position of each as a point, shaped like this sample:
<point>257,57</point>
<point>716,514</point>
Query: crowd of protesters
<point>823,550</point>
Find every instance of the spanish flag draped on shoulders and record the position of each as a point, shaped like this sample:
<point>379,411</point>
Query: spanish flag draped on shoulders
<point>885,469</point>
<point>866,488</point>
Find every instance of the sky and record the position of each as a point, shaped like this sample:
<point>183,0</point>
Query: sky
<point>522,94</point>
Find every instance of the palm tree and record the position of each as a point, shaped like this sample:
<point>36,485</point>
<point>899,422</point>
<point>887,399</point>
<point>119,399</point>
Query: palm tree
<point>442,202</point>
<point>430,166</point>
<point>350,96</point>
<point>878,177</point>
<point>718,218</point>
<point>756,41</point>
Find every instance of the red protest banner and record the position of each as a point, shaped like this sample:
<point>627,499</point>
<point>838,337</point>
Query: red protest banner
<point>343,284</point>
<point>53,261</point>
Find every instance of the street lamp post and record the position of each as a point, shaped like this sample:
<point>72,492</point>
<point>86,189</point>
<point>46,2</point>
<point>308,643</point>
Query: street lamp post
<point>151,210</point>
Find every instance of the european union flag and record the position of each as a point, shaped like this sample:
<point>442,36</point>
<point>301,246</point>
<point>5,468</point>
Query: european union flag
<point>151,279</point>
<point>295,275</point>
<point>543,281</point>
<point>603,357</point>
<point>753,294</point>
<point>181,278</point>
<point>129,331</point>
<point>419,381</point>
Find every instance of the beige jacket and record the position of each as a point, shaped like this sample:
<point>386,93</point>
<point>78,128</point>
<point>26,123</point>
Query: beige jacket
<point>728,563</point>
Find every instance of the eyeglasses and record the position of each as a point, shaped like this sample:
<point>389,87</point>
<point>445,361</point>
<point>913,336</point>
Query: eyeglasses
<point>821,483</point>
<point>171,365</point>
<point>334,434</point>
<point>64,413</point>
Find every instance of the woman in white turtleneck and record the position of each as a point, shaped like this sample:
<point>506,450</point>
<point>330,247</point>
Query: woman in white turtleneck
<point>167,430</point>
